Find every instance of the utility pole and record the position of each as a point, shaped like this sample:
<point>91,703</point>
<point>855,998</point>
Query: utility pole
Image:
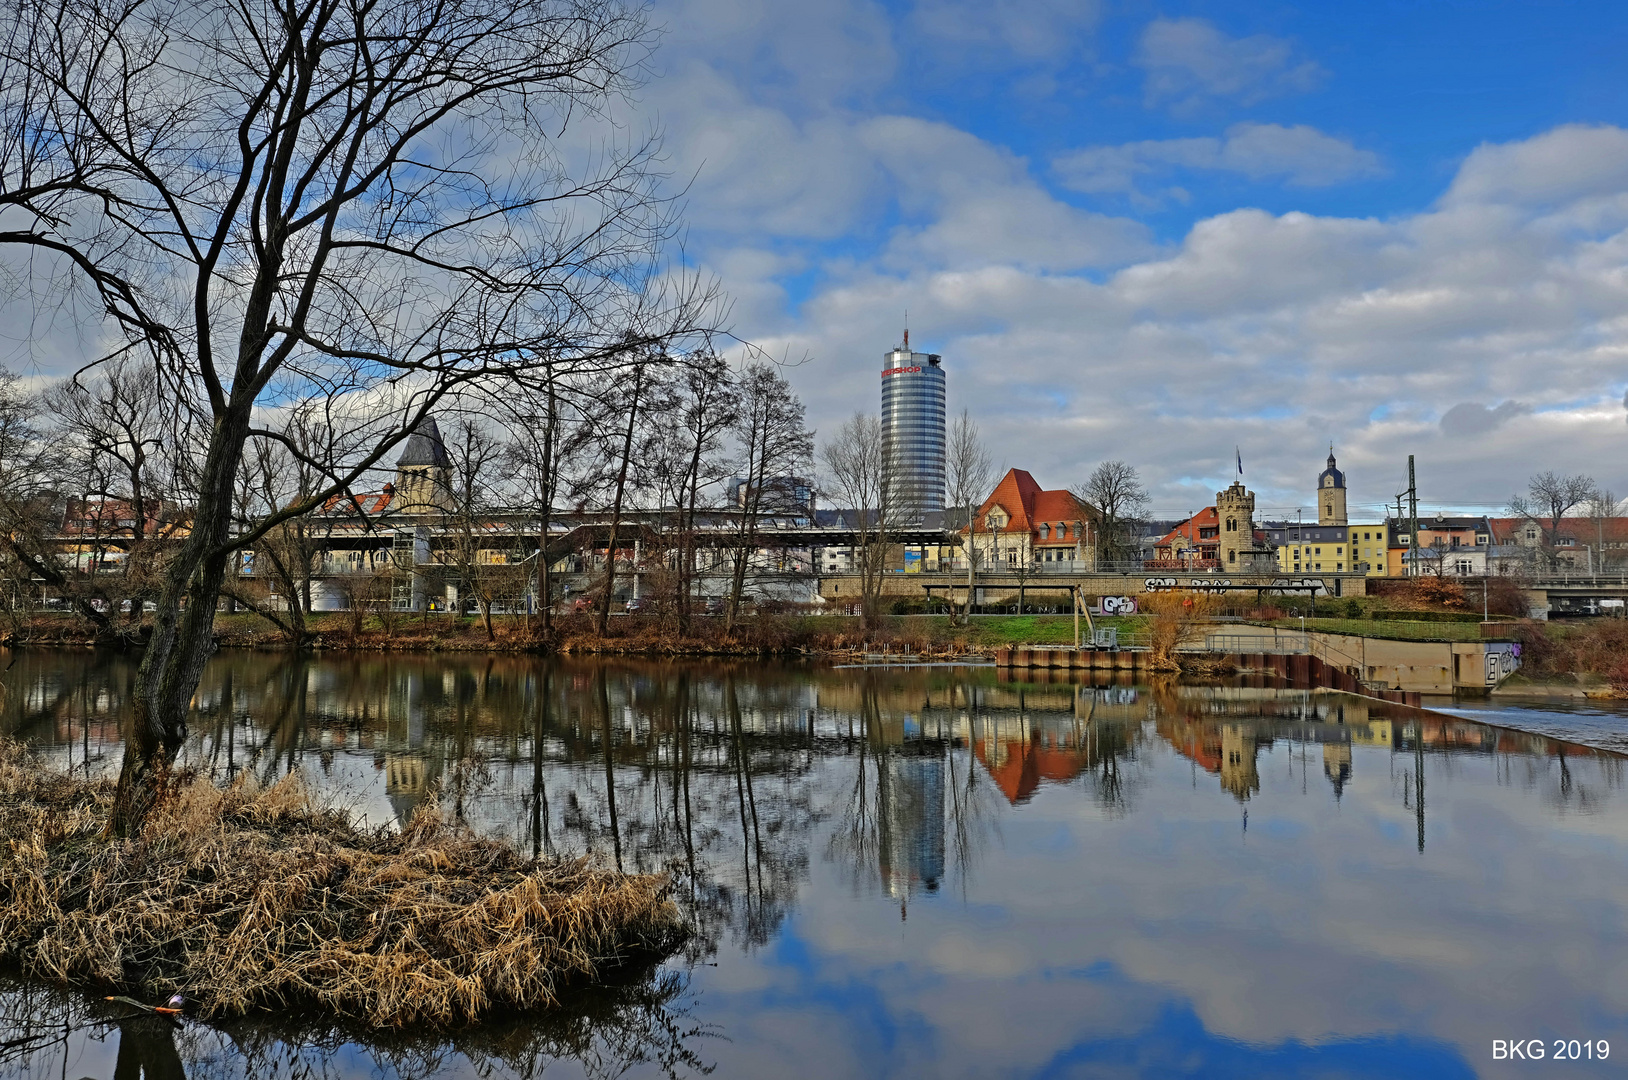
<point>1413,517</point>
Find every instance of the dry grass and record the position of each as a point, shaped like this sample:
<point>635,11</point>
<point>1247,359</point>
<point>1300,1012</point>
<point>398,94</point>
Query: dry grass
<point>1179,618</point>
<point>247,899</point>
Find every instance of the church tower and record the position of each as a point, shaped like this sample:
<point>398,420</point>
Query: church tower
<point>424,472</point>
<point>1331,494</point>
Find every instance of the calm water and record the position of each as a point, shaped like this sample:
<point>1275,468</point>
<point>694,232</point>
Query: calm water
<point>936,872</point>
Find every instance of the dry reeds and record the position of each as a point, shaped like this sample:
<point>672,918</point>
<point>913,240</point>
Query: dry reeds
<point>251,898</point>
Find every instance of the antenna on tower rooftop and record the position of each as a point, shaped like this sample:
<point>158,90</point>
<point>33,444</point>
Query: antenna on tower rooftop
<point>906,329</point>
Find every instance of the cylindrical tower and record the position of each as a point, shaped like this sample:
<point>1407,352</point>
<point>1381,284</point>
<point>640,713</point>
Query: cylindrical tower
<point>913,431</point>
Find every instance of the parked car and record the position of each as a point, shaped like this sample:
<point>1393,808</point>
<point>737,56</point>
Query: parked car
<point>638,604</point>
<point>715,605</point>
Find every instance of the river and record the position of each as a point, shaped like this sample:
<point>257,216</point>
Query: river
<point>937,871</point>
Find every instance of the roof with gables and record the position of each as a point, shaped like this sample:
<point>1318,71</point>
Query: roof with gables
<point>1027,506</point>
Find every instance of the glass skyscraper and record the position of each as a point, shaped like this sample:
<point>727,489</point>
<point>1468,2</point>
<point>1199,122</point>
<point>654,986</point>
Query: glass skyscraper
<point>913,431</point>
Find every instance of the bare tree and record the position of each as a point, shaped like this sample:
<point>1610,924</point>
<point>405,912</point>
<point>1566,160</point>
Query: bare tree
<point>552,456</point>
<point>689,458</point>
<point>1548,499</point>
<point>969,475</point>
<point>1114,499</point>
<point>306,186</point>
<point>481,550</point>
<point>774,446</point>
<point>620,443</point>
<point>855,465</point>
<point>1603,507</point>
<point>115,432</point>
<point>31,511</point>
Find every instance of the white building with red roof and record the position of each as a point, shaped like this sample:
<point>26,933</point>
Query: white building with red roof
<point>1020,524</point>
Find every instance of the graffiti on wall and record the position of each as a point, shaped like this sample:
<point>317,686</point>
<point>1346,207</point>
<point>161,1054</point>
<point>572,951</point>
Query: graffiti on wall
<point>1502,660</point>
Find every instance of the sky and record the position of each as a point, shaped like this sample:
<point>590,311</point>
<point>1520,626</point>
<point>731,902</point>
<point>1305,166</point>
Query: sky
<point>1163,233</point>
<point>1157,232</point>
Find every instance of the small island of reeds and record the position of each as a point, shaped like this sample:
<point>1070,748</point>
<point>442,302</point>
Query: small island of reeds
<point>253,898</point>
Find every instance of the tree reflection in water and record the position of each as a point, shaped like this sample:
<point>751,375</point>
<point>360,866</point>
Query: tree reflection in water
<point>724,775</point>
<point>609,1031</point>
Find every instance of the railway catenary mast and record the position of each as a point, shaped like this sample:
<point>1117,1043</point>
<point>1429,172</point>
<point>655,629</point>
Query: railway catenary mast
<point>913,431</point>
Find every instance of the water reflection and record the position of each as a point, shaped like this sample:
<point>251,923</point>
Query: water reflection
<point>1170,856</point>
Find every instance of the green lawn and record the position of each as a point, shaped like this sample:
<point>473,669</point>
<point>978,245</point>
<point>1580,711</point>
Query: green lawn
<point>987,630</point>
<point>1395,630</point>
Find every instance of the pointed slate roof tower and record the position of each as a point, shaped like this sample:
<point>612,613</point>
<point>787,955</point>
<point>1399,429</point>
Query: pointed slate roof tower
<point>1331,494</point>
<point>423,472</point>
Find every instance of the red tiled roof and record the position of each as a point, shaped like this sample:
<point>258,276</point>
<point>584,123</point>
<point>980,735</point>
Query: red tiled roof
<point>1027,506</point>
<point>371,503</point>
<point>1581,529</point>
<point>1189,529</point>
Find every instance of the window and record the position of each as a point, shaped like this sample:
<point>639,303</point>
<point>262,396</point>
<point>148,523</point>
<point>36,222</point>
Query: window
<point>1319,566</point>
<point>1480,539</point>
<point>1045,531</point>
<point>1319,551</point>
<point>1339,551</point>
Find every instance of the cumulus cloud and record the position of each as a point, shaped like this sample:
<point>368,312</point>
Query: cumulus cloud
<point>1473,333</point>
<point>1299,155</point>
<point>1003,31</point>
<point>1189,61</point>
<point>1568,164</point>
<point>1471,418</point>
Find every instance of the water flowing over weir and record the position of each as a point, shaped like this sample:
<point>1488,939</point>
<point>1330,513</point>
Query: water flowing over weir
<point>930,871</point>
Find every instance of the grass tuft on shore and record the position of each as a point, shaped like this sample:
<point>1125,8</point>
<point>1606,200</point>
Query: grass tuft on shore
<point>252,898</point>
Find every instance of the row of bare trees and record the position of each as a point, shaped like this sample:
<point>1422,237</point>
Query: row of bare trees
<point>1568,512</point>
<point>360,209</point>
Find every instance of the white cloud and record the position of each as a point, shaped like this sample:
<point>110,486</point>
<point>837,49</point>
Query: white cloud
<point>1300,156</point>
<point>1571,164</point>
<point>1000,31</point>
<point>1276,332</point>
<point>1188,61</point>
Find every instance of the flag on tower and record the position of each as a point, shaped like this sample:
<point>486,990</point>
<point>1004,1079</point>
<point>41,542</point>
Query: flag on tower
<point>1240,454</point>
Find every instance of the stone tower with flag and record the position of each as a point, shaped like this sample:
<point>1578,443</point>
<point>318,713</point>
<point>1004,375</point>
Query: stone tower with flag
<point>1238,551</point>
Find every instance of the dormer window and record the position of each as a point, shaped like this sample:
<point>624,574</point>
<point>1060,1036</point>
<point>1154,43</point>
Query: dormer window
<point>1045,531</point>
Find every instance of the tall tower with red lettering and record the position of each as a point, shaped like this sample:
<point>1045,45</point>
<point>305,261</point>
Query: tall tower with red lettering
<point>913,431</point>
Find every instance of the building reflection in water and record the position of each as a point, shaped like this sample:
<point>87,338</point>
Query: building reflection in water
<point>724,770</point>
<point>738,778</point>
<point>910,851</point>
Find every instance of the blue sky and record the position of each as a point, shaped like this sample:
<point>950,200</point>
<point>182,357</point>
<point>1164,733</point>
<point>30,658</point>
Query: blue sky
<point>1154,231</point>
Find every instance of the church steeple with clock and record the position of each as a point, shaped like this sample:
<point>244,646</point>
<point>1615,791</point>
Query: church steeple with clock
<point>1331,494</point>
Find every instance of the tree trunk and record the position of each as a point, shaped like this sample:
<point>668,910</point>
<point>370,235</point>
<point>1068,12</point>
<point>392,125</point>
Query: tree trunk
<point>183,631</point>
<point>616,506</point>
<point>972,547</point>
<point>545,587</point>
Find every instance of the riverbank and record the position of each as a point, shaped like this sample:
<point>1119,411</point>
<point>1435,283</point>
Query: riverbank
<point>646,635</point>
<point>251,899</point>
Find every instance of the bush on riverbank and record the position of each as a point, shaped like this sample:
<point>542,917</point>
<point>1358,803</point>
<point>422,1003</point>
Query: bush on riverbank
<point>247,899</point>
<point>1597,647</point>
